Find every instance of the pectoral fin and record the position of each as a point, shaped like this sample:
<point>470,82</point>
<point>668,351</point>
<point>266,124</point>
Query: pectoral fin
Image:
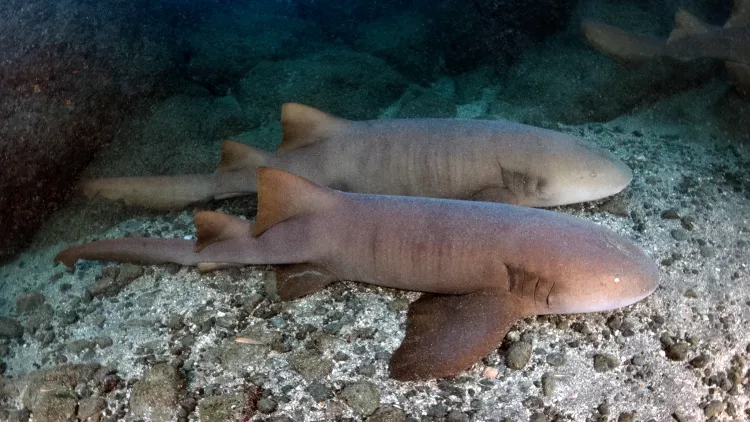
<point>296,280</point>
<point>446,334</point>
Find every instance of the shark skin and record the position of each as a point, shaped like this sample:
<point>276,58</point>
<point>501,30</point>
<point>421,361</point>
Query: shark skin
<point>488,160</point>
<point>689,40</point>
<point>482,266</point>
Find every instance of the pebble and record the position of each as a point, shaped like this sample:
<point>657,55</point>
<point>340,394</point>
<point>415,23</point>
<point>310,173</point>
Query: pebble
<point>518,355</point>
<point>156,396</point>
<point>678,234</point>
<point>221,408</point>
<point>708,251</point>
<point>10,328</point>
<point>362,397</point>
<point>677,351</point>
<point>267,405</point>
<point>319,392</point>
<point>29,302</point>
<point>310,366</point>
<point>549,383</point>
<point>388,414</point>
<point>713,408</point>
<point>605,362</point>
<point>556,359</point>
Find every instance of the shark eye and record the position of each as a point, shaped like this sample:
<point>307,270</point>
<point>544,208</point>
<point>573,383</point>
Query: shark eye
<point>617,279</point>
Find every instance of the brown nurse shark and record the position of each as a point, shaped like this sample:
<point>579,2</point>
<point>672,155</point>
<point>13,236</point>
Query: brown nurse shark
<point>690,39</point>
<point>482,265</point>
<point>489,160</point>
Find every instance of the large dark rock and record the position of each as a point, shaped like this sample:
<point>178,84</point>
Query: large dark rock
<point>69,72</point>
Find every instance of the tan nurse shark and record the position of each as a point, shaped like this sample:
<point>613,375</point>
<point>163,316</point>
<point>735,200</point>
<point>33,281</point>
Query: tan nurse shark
<point>690,39</point>
<point>483,265</point>
<point>488,160</point>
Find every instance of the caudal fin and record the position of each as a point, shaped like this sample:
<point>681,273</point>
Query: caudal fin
<point>303,125</point>
<point>157,192</point>
<point>283,195</point>
<point>626,47</point>
<point>136,250</point>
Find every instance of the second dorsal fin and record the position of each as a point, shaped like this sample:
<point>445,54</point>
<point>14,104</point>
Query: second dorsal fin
<point>215,227</point>
<point>283,195</point>
<point>686,24</point>
<point>238,156</point>
<point>302,125</point>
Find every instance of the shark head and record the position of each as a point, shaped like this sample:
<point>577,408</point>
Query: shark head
<point>582,172</point>
<point>615,273</point>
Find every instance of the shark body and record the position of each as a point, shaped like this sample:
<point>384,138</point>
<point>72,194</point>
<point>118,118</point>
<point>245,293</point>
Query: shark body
<point>488,160</point>
<point>482,265</point>
<point>690,39</point>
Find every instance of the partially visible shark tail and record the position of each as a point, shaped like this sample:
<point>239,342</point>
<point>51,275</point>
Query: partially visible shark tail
<point>136,250</point>
<point>626,47</point>
<point>157,192</point>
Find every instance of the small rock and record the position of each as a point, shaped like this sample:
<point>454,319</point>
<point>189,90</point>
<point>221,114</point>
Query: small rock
<point>319,392</point>
<point>713,408</point>
<point>267,405</point>
<point>457,416</point>
<point>699,361</point>
<point>10,328</point>
<point>55,405</point>
<point>556,359</point>
<point>626,417</point>
<point>677,351</point>
<point>678,234</point>
<point>221,408</point>
<point>605,362</point>
<point>519,354</point>
<point>362,397</point>
<point>156,396</point>
<point>310,366</point>
<point>388,414</point>
<point>90,408</point>
<point>708,251</point>
<point>29,302</point>
<point>670,214</point>
<point>549,382</point>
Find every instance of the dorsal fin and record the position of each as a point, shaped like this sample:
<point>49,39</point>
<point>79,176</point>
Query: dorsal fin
<point>283,195</point>
<point>303,125</point>
<point>686,24</point>
<point>239,156</point>
<point>214,227</point>
<point>740,14</point>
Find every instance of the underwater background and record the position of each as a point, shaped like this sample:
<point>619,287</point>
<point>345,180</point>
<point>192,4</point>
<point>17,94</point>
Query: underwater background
<point>134,88</point>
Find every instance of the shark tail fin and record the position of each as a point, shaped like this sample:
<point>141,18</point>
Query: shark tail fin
<point>215,227</point>
<point>687,24</point>
<point>303,125</point>
<point>740,14</point>
<point>238,156</point>
<point>626,47</point>
<point>283,195</point>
